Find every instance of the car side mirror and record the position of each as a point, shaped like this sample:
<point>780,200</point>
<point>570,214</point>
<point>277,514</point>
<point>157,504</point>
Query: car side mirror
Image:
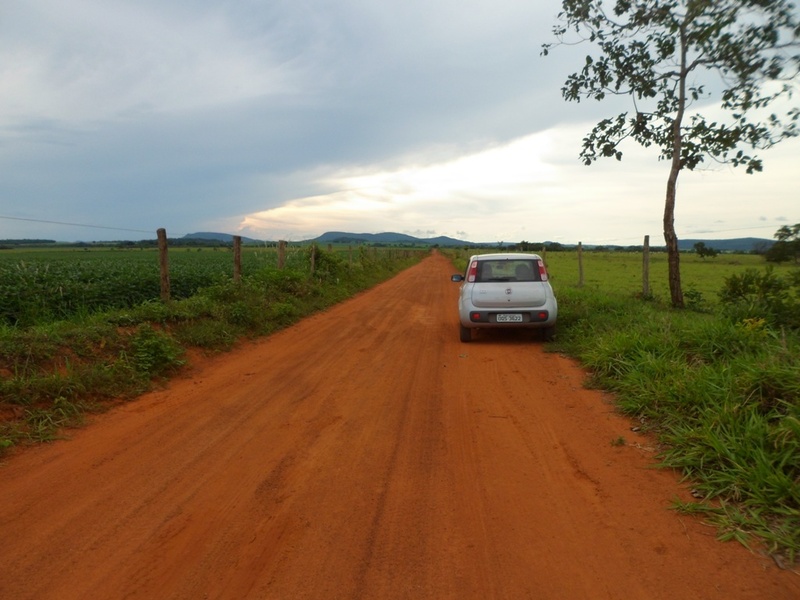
<point>458,278</point>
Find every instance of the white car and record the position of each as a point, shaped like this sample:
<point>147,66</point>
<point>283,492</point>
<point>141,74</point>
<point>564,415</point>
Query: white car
<point>506,290</point>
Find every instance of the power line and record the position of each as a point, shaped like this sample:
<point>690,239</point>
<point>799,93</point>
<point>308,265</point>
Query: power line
<point>74,224</point>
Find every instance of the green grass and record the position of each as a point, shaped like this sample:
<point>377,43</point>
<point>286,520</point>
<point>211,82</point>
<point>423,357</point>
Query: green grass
<point>702,279</point>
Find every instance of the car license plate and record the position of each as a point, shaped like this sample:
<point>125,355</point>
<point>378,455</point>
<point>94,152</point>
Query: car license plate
<point>509,318</point>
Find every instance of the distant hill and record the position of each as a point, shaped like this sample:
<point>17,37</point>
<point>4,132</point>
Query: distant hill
<point>748,244</point>
<point>219,237</point>
<point>732,245</point>
<point>341,237</point>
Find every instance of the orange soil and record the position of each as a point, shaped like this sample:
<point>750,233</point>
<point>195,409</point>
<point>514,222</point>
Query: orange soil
<point>365,453</point>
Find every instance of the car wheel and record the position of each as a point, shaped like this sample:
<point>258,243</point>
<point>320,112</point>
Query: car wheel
<point>465,333</point>
<point>548,334</point>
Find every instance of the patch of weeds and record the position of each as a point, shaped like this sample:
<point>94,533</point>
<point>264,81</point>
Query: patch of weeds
<point>110,380</point>
<point>154,352</point>
<point>206,333</point>
<point>694,300</point>
<point>44,424</point>
<point>5,443</point>
<point>243,313</point>
<point>28,390</point>
<point>282,313</point>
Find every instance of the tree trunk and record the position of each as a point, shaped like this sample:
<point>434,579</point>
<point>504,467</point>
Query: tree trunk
<point>673,256</point>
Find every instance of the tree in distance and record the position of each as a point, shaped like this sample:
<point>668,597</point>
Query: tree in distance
<point>704,251</point>
<point>787,246</point>
<point>670,55</point>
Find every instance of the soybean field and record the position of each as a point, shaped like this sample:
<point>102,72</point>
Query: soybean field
<point>40,285</point>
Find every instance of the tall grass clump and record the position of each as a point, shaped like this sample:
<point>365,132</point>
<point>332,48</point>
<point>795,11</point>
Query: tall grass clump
<point>720,389</point>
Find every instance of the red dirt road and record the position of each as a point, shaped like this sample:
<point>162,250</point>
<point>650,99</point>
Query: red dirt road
<point>365,454</point>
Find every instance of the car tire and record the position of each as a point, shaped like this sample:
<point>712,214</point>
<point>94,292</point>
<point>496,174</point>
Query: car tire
<point>465,333</point>
<point>548,334</point>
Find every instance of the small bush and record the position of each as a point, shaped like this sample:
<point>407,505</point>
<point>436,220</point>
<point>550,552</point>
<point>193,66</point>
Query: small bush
<point>763,295</point>
<point>209,334</point>
<point>153,352</point>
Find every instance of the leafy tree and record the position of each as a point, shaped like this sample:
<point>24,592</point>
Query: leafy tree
<point>669,55</point>
<point>704,251</point>
<point>787,246</point>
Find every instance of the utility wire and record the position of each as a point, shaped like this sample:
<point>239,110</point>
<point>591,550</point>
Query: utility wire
<point>73,224</point>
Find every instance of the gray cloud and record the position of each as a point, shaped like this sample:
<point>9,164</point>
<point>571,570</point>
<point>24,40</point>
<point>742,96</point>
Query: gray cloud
<point>148,112</point>
<point>185,113</point>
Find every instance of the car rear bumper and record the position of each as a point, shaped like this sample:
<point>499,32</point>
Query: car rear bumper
<point>532,318</point>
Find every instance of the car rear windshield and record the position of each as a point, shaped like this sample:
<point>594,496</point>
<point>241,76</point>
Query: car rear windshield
<point>508,270</point>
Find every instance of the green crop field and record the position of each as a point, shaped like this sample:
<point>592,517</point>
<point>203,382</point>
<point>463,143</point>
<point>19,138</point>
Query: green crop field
<point>39,285</point>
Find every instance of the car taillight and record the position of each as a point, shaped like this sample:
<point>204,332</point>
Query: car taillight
<point>473,271</point>
<point>542,271</point>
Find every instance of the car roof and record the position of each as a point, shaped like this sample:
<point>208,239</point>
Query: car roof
<point>505,256</point>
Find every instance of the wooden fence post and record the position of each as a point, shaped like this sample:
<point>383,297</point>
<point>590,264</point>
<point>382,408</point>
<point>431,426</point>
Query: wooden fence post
<point>646,268</point>
<point>237,258</point>
<point>281,254</point>
<point>580,264</point>
<point>163,261</point>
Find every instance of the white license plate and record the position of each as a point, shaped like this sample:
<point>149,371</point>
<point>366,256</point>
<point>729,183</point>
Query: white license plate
<point>509,318</point>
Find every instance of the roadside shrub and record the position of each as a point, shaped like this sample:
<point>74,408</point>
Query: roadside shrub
<point>154,352</point>
<point>210,334</point>
<point>763,295</point>
<point>328,266</point>
<point>694,300</point>
<point>272,282</point>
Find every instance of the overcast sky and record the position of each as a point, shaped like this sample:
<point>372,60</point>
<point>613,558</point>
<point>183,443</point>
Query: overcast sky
<point>289,118</point>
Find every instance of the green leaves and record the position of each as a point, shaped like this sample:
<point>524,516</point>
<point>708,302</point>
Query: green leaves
<point>154,352</point>
<point>664,51</point>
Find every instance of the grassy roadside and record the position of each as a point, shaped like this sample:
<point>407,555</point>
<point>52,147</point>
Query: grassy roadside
<point>53,373</point>
<point>722,396</point>
<point>718,384</point>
